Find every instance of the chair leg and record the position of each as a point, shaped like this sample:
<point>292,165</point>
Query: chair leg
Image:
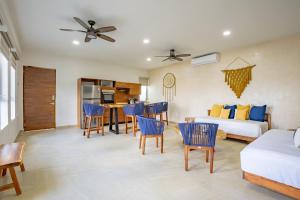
<point>167,118</point>
<point>186,157</point>
<point>15,180</point>
<point>89,128</point>
<point>211,152</point>
<point>22,167</point>
<point>144,144</point>
<point>162,143</point>
<point>133,125</point>
<point>98,124</point>
<point>126,124</point>
<point>206,155</point>
<point>160,117</point>
<point>156,138</point>
<point>84,125</point>
<point>140,141</point>
<point>3,173</point>
<point>102,125</point>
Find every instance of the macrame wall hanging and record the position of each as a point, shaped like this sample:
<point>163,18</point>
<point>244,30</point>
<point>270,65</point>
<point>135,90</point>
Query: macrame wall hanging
<point>238,79</point>
<point>169,86</point>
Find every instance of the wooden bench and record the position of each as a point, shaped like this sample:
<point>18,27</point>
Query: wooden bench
<point>11,155</point>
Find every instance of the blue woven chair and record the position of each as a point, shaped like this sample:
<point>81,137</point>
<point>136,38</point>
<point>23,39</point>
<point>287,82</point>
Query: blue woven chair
<point>132,111</point>
<point>199,136</point>
<point>165,110</point>
<point>155,109</point>
<point>93,112</point>
<point>150,128</point>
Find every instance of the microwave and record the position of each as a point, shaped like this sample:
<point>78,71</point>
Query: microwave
<point>108,96</point>
<point>106,83</point>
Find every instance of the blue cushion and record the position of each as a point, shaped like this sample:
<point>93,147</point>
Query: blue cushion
<point>257,113</point>
<point>232,110</point>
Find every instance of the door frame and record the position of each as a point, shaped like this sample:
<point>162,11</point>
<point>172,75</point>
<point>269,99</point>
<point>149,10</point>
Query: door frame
<point>24,66</point>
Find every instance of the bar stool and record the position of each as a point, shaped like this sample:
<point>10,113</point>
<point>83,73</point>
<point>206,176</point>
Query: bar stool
<point>165,110</point>
<point>132,111</point>
<point>93,112</point>
<point>155,109</point>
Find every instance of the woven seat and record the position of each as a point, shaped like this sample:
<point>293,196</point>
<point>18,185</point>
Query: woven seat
<point>199,136</point>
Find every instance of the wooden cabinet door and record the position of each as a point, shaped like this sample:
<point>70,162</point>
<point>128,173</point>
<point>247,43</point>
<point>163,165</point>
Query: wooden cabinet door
<point>39,90</point>
<point>135,89</point>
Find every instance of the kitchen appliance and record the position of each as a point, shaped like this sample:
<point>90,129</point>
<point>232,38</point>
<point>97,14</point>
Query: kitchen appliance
<point>105,83</point>
<point>108,96</point>
<point>90,93</point>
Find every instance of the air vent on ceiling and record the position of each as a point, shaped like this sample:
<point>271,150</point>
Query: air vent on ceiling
<point>206,59</point>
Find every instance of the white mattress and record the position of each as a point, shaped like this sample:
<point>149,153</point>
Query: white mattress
<point>274,157</point>
<point>239,127</point>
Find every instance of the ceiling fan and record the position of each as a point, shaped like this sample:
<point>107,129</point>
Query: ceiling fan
<point>173,56</point>
<point>91,32</point>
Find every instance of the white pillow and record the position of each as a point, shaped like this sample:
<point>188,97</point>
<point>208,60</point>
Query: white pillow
<point>297,138</point>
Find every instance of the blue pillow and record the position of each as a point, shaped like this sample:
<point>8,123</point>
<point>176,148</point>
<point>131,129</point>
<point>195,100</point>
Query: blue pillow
<point>257,113</point>
<point>232,110</point>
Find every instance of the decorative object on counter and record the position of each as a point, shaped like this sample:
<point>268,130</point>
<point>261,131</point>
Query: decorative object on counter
<point>93,112</point>
<point>151,128</point>
<point>132,111</point>
<point>238,79</point>
<point>169,86</point>
<point>199,136</point>
<point>132,100</point>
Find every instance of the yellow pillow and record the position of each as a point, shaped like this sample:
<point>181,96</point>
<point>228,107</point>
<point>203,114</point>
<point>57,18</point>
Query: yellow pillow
<point>242,107</point>
<point>216,110</point>
<point>241,114</point>
<point>225,113</point>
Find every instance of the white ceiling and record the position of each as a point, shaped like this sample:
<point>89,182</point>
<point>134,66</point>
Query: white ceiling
<point>189,26</point>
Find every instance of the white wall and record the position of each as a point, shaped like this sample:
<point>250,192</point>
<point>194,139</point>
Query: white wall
<point>276,82</point>
<point>68,71</point>
<point>10,132</point>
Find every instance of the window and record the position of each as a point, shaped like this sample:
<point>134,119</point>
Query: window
<point>144,89</point>
<point>12,93</point>
<point>3,91</point>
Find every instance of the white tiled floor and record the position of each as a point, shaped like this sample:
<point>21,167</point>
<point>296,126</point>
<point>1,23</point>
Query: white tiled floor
<point>62,164</point>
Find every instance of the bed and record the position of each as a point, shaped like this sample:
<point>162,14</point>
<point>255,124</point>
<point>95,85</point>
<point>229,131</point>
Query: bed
<point>273,161</point>
<point>247,130</point>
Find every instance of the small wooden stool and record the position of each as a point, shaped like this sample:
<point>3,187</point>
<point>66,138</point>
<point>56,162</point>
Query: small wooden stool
<point>11,155</point>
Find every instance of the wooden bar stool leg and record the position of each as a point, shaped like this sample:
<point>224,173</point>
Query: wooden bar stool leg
<point>144,144</point>
<point>211,152</point>
<point>89,128</point>
<point>84,125</point>
<point>15,180</point>
<point>98,124</point>
<point>102,125</point>
<point>161,143</point>
<point>167,118</point>
<point>133,125</point>
<point>126,124</point>
<point>3,173</point>
<point>22,167</point>
<point>206,155</point>
<point>140,141</point>
<point>186,157</point>
<point>156,138</point>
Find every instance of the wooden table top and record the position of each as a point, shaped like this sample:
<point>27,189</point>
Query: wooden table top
<point>11,154</point>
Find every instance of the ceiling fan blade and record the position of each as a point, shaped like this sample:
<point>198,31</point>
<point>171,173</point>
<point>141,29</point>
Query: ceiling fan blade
<point>183,55</point>
<point>161,56</point>
<point>66,29</point>
<point>87,39</point>
<point>82,23</point>
<point>105,29</point>
<point>178,59</point>
<point>165,59</point>
<point>105,37</point>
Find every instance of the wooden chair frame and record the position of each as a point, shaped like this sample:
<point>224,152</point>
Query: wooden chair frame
<point>143,141</point>
<point>209,151</point>
<point>88,121</point>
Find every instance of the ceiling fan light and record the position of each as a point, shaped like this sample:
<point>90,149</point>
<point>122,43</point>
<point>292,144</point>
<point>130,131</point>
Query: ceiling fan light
<point>91,35</point>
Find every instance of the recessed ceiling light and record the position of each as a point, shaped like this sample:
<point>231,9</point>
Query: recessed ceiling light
<point>227,33</point>
<point>75,42</point>
<point>146,41</point>
<point>148,59</point>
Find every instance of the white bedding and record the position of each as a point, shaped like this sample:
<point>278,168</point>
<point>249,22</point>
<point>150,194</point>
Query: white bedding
<point>274,157</point>
<point>239,127</point>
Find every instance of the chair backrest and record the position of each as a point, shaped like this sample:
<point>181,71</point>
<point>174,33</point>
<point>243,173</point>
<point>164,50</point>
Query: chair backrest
<point>155,108</point>
<point>199,134</point>
<point>165,106</point>
<point>93,109</point>
<point>150,126</point>
<point>134,109</point>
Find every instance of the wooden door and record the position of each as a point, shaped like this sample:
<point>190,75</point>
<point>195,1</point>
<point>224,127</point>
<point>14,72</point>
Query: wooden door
<point>39,90</point>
